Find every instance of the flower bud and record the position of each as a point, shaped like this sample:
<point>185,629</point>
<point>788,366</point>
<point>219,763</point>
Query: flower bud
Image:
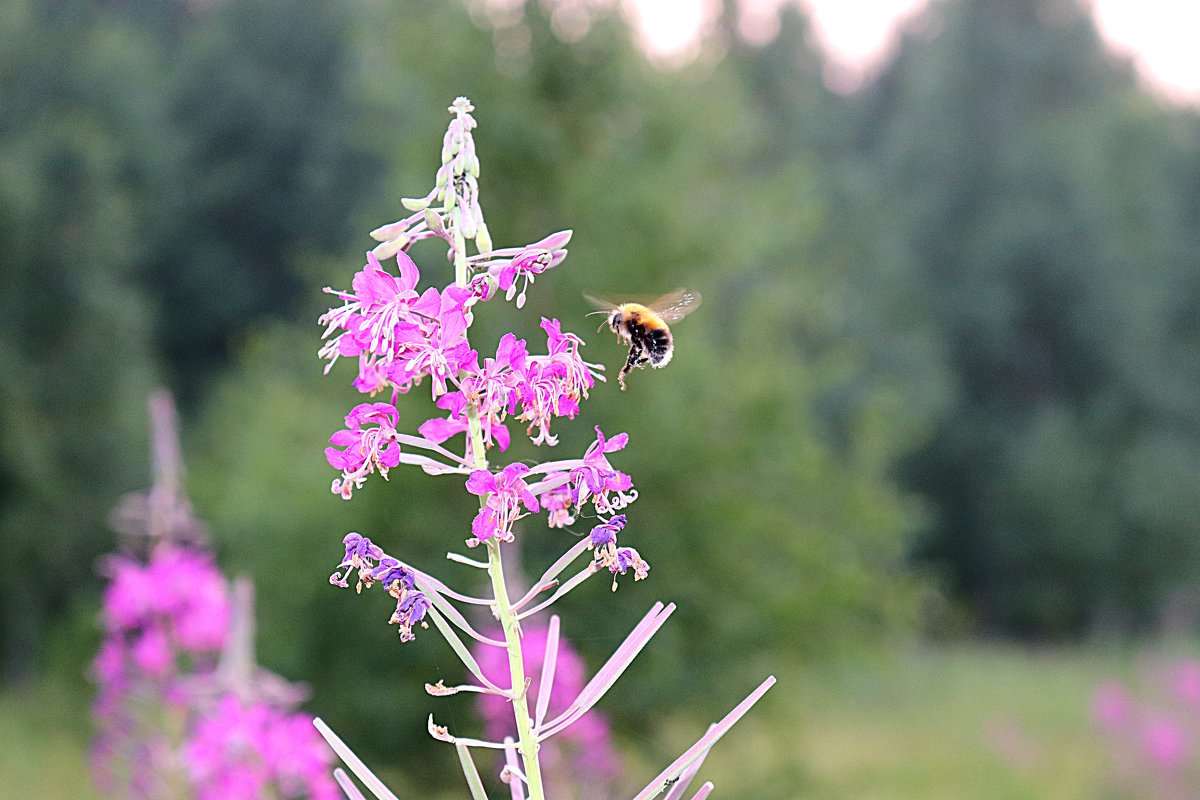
<point>391,247</point>
<point>554,241</point>
<point>390,231</point>
<point>483,239</point>
<point>467,221</point>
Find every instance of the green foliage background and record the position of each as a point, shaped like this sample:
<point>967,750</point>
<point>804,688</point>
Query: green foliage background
<point>949,331</point>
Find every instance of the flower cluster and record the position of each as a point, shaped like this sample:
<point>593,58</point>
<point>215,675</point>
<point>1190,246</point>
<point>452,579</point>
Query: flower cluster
<point>163,620</point>
<point>403,335</point>
<point>248,750</point>
<point>617,560</point>
<point>375,566</point>
<point>1153,730</point>
<point>181,709</point>
<point>401,338</point>
<point>164,716</point>
<point>175,605</point>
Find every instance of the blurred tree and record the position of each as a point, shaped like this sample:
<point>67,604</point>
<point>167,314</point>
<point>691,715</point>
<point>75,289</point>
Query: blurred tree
<point>74,348</point>
<point>167,167</point>
<point>254,163</point>
<point>1040,204</point>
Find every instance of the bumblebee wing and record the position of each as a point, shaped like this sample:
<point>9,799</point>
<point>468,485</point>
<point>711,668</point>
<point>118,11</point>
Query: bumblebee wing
<point>600,303</point>
<point>676,305</point>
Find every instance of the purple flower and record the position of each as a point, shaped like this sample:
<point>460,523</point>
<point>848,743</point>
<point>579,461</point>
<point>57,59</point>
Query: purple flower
<point>505,494</point>
<point>365,449</point>
<point>617,560</point>
<point>300,758</point>
<point>361,555</point>
<point>625,559</point>
<point>179,593</point>
<point>411,608</point>
<point>483,287</point>
<point>130,596</point>
<point>375,566</point>
<point>436,346</point>
<point>109,664</point>
<point>201,609</point>
<point>560,504</point>
<point>492,387</point>
<point>606,532</point>
<point>515,268</point>
<point>393,576</point>
<point>577,375</point>
<point>595,478</point>
<point>549,386</point>
<point>398,335</point>
<point>175,604</point>
<point>151,653</point>
<point>371,312</point>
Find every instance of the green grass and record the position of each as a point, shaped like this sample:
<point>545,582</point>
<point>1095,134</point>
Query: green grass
<point>44,732</point>
<point>976,722</point>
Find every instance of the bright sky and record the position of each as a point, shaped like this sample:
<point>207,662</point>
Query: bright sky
<point>1160,34</point>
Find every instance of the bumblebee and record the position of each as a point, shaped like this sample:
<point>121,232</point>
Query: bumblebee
<point>645,327</point>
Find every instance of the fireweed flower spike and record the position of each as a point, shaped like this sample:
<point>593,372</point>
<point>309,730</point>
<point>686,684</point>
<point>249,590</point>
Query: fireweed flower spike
<point>402,334</point>
<point>182,710</point>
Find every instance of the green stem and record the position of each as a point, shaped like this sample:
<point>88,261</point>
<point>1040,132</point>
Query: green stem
<point>526,743</point>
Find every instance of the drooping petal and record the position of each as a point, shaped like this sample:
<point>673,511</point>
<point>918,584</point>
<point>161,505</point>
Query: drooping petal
<point>409,274</point>
<point>481,483</point>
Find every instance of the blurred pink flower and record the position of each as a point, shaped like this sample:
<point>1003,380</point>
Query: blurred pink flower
<point>177,599</point>
<point>1111,706</point>
<point>194,593</point>
<point>109,664</point>
<point>252,750</point>
<point>129,596</point>
<point>1166,743</point>
<point>152,653</point>
<point>587,753</point>
<point>1187,681</point>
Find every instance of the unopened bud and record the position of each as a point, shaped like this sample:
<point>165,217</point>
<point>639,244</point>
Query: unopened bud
<point>391,247</point>
<point>388,232</point>
<point>467,222</point>
<point>483,239</point>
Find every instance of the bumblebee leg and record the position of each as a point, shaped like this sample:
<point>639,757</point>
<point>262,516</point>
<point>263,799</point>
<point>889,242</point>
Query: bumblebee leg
<point>635,356</point>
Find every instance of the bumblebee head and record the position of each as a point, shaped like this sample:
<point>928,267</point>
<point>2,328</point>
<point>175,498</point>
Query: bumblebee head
<point>614,320</point>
